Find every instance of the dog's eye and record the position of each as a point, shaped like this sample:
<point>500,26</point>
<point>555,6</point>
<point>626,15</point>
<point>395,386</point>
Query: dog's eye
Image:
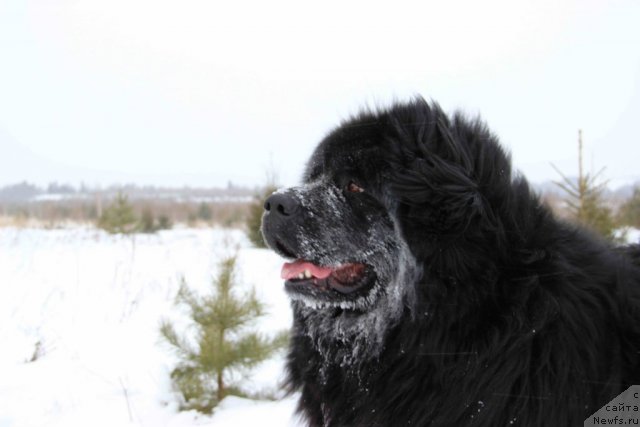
<point>352,187</point>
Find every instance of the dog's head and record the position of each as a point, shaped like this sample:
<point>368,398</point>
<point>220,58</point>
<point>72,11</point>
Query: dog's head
<point>386,197</point>
<point>337,229</point>
<point>350,273</point>
<point>348,269</point>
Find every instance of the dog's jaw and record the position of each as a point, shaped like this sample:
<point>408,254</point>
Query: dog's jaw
<point>326,232</point>
<point>361,326</point>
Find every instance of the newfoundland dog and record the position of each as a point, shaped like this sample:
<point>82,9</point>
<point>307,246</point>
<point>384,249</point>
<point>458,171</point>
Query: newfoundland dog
<point>430,286</point>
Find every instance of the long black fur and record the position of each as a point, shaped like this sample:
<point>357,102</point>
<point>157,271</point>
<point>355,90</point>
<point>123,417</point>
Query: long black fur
<point>516,318</point>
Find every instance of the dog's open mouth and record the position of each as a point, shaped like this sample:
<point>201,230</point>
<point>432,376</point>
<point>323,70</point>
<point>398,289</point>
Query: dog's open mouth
<point>303,276</point>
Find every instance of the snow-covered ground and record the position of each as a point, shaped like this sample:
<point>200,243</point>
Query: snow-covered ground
<point>90,305</point>
<point>631,235</point>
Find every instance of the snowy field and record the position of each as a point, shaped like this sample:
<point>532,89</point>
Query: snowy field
<point>631,235</point>
<point>89,306</point>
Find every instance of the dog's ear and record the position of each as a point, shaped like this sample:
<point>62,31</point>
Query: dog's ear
<point>432,180</point>
<point>436,196</point>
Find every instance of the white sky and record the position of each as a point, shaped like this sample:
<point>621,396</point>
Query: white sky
<point>200,92</point>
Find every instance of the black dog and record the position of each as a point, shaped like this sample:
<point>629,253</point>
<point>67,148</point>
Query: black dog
<point>431,287</point>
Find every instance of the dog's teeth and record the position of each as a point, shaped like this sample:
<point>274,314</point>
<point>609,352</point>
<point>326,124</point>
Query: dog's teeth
<point>301,276</point>
<point>307,274</point>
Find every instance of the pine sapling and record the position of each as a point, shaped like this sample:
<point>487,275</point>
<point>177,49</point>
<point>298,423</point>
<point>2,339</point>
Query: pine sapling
<point>224,347</point>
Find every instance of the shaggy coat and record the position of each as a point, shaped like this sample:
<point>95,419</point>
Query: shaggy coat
<point>454,296</point>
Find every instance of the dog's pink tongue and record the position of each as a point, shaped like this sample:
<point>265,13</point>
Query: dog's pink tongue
<point>291,270</point>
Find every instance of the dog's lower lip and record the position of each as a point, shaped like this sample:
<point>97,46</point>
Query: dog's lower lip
<point>300,284</point>
<point>345,280</point>
<point>323,284</point>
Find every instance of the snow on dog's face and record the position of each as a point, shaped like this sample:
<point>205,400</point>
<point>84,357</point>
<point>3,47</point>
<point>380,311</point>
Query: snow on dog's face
<point>337,241</point>
<point>347,264</point>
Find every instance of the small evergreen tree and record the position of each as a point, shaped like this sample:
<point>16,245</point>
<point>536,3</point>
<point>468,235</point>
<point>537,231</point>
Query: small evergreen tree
<point>254,217</point>
<point>205,213</point>
<point>585,198</point>
<point>164,223</point>
<point>223,345</point>
<point>119,217</point>
<point>149,224</point>
<point>629,213</point>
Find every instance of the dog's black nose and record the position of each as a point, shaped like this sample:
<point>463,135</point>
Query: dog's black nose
<point>281,203</point>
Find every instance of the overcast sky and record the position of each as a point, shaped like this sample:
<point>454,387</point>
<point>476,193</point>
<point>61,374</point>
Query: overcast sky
<point>206,92</point>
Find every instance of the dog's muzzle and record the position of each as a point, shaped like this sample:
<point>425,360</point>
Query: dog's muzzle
<point>281,215</point>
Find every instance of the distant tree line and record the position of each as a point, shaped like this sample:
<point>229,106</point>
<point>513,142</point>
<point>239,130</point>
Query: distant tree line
<point>120,218</point>
<point>28,192</point>
<point>27,205</point>
<point>584,199</point>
